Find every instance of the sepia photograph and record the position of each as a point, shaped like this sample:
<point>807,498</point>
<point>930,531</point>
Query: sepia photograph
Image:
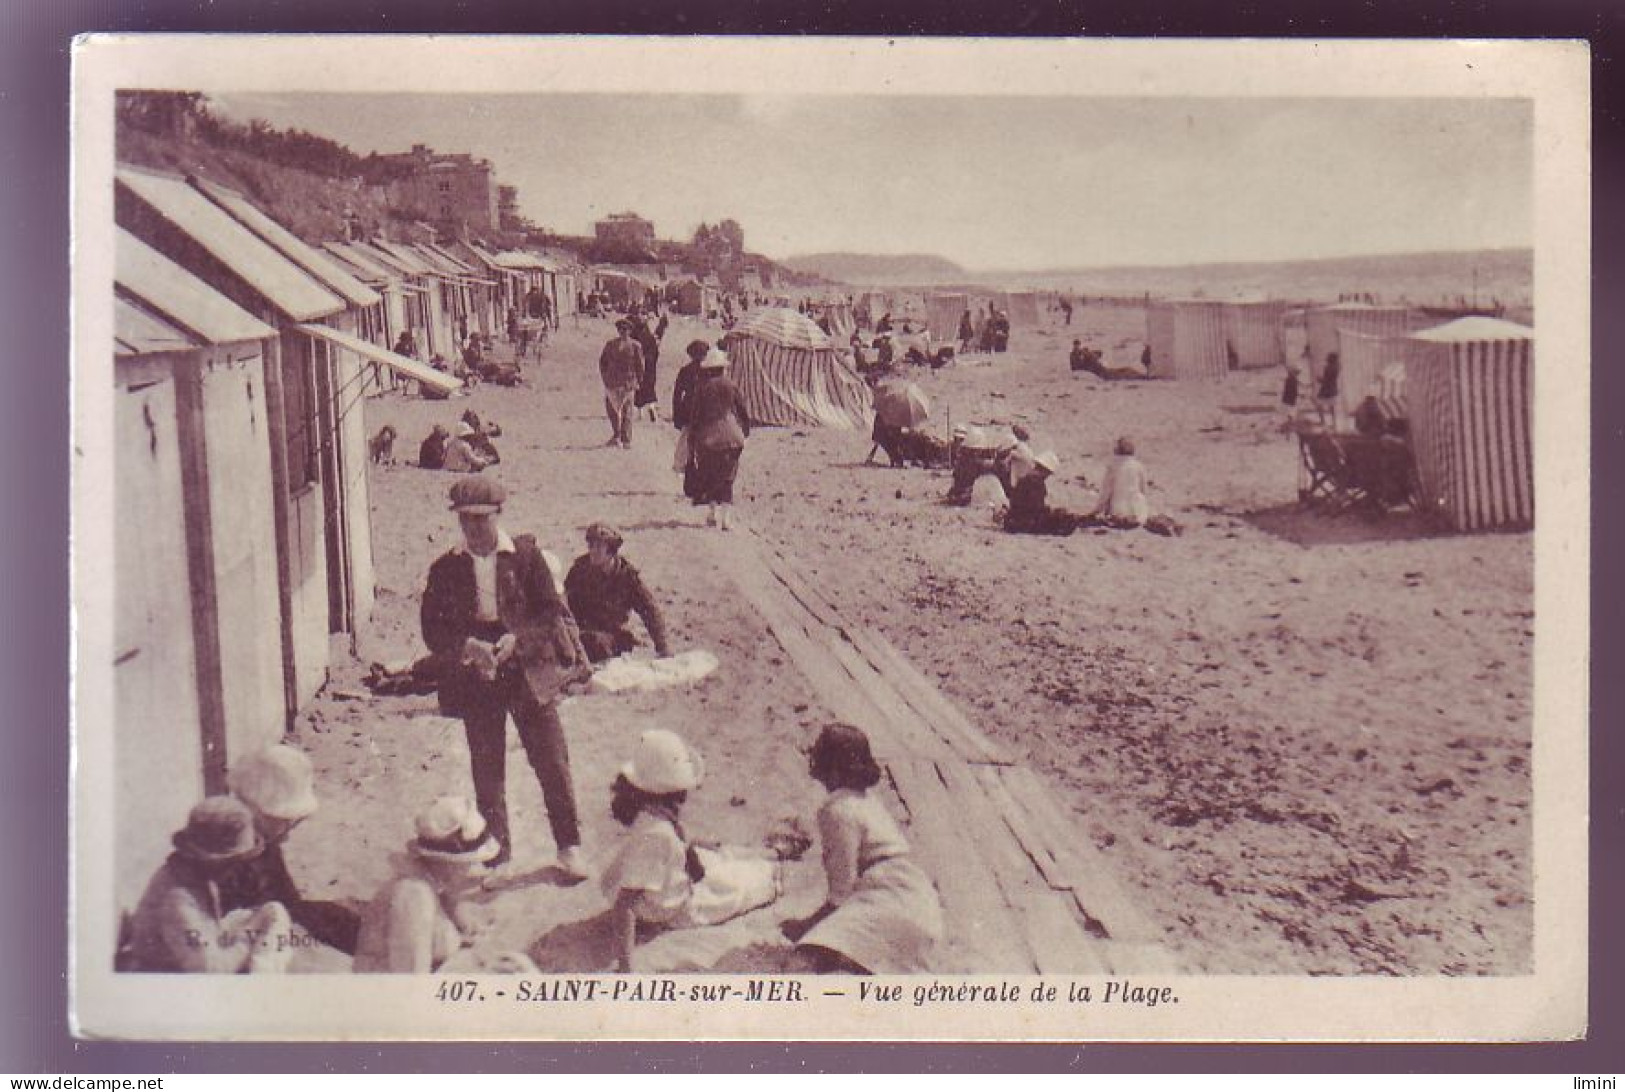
<point>1052,518</point>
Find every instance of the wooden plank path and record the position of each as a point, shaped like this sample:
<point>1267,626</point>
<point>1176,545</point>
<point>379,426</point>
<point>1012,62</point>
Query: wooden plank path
<point>1023,890</point>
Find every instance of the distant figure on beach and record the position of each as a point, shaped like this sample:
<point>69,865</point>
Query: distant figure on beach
<point>432,452</point>
<point>507,646</point>
<point>1289,393</point>
<point>967,332</point>
<point>1123,501</point>
<point>1066,309</point>
<point>1030,512</point>
<point>481,437</point>
<point>621,366</point>
<point>881,912</point>
<point>603,591</point>
<point>883,326</point>
<point>659,877</point>
<point>717,428</point>
<point>646,398</point>
<point>460,456</point>
<point>406,344</point>
<point>1331,382</point>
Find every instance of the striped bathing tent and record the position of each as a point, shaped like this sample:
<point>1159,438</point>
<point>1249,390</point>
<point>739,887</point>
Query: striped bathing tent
<point>790,372</point>
<point>1470,386</point>
<point>1368,368</point>
<point>1253,329</point>
<point>942,314</point>
<point>1187,339</point>
<point>1322,323</point>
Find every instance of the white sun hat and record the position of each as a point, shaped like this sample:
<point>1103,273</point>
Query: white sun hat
<point>278,782</point>
<point>663,763</point>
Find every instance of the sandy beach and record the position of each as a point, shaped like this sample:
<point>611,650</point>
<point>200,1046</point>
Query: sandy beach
<point>1301,741</point>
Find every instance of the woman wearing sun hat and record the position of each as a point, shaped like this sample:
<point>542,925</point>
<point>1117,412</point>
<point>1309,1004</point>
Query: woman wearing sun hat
<point>659,877</point>
<point>415,924</point>
<point>279,786</point>
<point>182,924</point>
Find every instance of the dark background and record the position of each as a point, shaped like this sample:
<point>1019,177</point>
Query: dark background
<point>34,434</point>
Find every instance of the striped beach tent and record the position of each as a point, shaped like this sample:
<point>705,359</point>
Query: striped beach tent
<point>1470,386</point>
<point>1322,324</point>
<point>1253,329</point>
<point>1186,339</point>
<point>1365,358</point>
<point>942,313</point>
<point>790,372</point>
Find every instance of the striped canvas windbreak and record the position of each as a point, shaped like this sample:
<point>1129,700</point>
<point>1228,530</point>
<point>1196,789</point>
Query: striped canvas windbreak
<point>1253,329</point>
<point>1187,339</point>
<point>1322,323</point>
<point>797,387</point>
<point>1471,408</point>
<point>942,314</point>
<point>1363,358</point>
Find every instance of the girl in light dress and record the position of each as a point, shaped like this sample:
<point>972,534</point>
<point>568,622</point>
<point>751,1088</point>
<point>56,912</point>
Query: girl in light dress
<point>659,877</point>
<point>882,913</point>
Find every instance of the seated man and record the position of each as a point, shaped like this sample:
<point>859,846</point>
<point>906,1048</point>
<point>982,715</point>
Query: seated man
<point>602,589</point>
<point>460,456</point>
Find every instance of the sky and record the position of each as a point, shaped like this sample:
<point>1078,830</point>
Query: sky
<point>993,183</point>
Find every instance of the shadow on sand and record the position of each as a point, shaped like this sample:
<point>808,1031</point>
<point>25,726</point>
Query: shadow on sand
<point>1308,526</point>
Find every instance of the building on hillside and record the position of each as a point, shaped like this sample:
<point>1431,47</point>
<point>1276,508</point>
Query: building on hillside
<point>628,230</point>
<point>456,191</point>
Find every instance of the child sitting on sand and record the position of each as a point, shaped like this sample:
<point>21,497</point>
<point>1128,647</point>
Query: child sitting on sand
<point>882,914</point>
<point>659,877</point>
<point>1123,501</point>
<point>415,923</point>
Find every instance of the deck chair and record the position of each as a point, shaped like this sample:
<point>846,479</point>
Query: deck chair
<point>1339,472</point>
<point>1322,470</point>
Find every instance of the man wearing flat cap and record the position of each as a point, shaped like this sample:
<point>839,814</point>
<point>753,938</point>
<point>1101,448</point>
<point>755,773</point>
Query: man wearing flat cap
<point>507,644</point>
<point>621,367</point>
<point>603,590</point>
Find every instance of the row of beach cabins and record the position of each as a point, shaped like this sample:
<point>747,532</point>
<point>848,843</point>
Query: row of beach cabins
<point>242,357</point>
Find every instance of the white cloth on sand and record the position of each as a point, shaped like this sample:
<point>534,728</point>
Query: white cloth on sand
<point>625,673</point>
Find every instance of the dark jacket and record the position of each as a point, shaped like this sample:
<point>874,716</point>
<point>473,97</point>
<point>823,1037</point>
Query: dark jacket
<point>602,600</point>
<point>549,649</point>
<point>432,452</point>
<point>682,394</point>
<point>717,413</point>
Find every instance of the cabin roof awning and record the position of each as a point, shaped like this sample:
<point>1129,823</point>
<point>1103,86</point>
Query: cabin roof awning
<point>295,249</point>
<point>137,333</point>
<point>405,365</point>
<point>289,288</point>
<point>179,297</point>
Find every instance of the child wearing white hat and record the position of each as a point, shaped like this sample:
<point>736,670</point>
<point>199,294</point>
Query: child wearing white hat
<point>414,924</point>
<point>658,877</point>
<point>278,784</point>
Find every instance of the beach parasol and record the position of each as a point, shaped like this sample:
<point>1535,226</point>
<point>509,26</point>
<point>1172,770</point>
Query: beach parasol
<point>902,405</point>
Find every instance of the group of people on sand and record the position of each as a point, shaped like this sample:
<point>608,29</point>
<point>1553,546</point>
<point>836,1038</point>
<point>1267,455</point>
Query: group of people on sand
<point>1022,485</point>
<point>508,644</point>
<point>468,449</point>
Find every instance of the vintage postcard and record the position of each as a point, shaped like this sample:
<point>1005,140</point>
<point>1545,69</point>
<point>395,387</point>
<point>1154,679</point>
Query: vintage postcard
<point>830,539</point>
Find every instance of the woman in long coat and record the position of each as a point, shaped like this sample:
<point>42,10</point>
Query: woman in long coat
<point>717,427</point>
